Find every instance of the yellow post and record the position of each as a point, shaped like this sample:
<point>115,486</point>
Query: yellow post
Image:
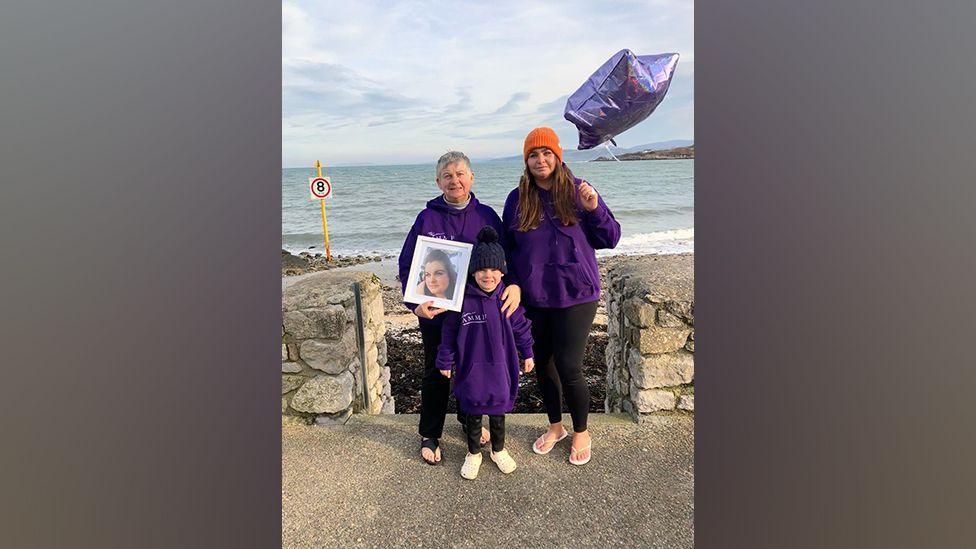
<point>325,223</point>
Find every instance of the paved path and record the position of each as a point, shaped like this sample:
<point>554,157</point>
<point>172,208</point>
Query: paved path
<point>362,484</point>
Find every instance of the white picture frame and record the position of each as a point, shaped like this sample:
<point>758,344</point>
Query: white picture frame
<point>436,251</point>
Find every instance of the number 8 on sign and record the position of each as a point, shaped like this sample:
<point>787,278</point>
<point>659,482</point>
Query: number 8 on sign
<point>319,187</point>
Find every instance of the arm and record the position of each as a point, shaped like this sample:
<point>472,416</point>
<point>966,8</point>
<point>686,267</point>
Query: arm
<point>424,310</point>
<point>447,351</point>
<point>600,227</point>
<point>507,237</point>
<point>406,258</point>
<point>522,330</point>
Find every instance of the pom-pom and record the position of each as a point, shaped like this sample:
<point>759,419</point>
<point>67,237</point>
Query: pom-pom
<point>487,235</point>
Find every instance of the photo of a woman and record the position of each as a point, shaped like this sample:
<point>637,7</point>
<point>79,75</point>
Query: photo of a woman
<point>439,276</point>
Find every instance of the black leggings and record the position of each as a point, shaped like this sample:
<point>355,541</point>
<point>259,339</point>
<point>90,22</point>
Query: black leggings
<point>496,427</point>
<point>435,389</point>
<point>560,338</point>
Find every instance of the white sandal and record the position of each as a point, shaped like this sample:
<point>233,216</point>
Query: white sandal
<point>472,463</point>
<point>579,451</point>
<point>545,440</point>
<point>504,461</point>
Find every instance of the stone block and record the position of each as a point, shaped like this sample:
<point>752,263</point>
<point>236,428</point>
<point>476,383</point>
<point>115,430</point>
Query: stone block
<point>328,322</point>
<point>372,362</point>
<point>639,313</point>
<point>658,339</point>
<point>324,394</point>
<point>284,404</point>
<point>389,406</point>
<point>293,352</point>
<point>682,309</point>
<point>290,382</point>
<point>668,320</point>
<point>375,405</point>
<point>329,356</point>
<point>284,352</point>
<point>342,298</point>
<point>653,400</point>
<point>381,352</point>
<point>690,346</point>
<point>374,311</point>
<point>333,420</point>
<point>290,367</point>
<point>686,402</point>
<point>627,406</point>
<point>664,370</point>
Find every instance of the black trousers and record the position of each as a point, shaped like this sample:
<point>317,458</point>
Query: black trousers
<point>496,427</point>
<point>435,389</point>
<point>560,339</point>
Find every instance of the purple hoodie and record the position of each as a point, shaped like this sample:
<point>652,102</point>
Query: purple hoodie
<point>555,265</point>
<point>441,220</point>
<point>484,347</point>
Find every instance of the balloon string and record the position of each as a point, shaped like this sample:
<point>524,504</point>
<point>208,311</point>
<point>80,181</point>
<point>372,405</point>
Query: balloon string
<point>611,152</point>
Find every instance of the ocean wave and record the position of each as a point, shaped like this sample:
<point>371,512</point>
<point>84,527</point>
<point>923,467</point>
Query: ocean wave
<point>675,241</point>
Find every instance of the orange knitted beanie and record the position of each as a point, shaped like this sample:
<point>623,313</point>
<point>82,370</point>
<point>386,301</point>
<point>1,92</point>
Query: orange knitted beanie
<point>542,137</point>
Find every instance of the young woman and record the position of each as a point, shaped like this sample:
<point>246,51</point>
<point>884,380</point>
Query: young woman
<point>553,224</point>
<point>439,278</point>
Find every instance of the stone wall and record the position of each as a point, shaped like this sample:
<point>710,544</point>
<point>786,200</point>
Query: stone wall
<point>321,379</point>
<point>651,328</point>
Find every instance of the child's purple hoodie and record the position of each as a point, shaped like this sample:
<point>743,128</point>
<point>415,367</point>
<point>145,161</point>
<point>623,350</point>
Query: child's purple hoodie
<point>484,347</point>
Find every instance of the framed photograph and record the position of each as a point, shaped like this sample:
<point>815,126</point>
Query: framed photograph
<point>438,272</point>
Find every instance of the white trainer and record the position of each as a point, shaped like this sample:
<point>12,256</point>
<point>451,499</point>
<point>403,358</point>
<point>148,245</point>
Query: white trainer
<point>471,466</point>
<point>504,461</point>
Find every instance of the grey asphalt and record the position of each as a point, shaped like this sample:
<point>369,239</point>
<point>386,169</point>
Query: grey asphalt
<point>363,484</point>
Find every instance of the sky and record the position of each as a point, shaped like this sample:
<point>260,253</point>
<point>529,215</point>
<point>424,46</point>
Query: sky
<point>384,82</point>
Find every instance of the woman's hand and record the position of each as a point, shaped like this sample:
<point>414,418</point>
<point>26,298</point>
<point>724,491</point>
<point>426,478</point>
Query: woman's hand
<point>529,364</point>
<point>588,197</point>
<point>427,310</point>
<point>512,296</point>
<point>445,373</point>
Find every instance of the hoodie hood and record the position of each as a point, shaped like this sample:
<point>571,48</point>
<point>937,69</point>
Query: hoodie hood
<point>440,205</point>
<point>471,288</point>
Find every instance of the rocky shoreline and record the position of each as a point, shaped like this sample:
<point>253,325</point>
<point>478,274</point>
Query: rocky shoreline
<point>306,262</point>
<point>405,351</point>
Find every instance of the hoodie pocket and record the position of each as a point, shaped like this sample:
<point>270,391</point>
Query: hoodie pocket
<point>564,281</point>
<point>487,384</point>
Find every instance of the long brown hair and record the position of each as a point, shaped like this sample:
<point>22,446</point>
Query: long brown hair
<point>563,196</point>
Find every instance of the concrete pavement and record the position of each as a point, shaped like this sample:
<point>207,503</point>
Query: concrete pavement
<point>363,484</point>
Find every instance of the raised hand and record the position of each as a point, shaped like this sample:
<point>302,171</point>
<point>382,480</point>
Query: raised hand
<point>588,196</point>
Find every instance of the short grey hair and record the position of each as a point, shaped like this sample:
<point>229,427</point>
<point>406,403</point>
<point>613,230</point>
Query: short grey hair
<point>450,157</point>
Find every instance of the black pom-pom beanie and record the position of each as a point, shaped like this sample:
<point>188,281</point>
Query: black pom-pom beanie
<point>487,253</point>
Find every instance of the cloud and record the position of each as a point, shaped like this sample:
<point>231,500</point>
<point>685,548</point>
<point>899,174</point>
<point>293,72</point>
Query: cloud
<point>513,103</point>
<point>412,80</point>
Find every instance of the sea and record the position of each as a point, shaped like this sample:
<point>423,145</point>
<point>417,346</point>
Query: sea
<point>372,207</point>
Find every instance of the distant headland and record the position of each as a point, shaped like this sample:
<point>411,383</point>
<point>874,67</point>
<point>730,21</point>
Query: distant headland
<point>666,154</point>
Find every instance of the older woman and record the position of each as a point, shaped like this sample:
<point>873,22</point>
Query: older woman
<point>454,215</point>
<point>553,223</point>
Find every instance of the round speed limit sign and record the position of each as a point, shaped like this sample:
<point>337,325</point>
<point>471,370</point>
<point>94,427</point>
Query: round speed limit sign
<point>319,187</point>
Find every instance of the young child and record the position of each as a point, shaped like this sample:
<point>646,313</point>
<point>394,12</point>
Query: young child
<point>483,346</point>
